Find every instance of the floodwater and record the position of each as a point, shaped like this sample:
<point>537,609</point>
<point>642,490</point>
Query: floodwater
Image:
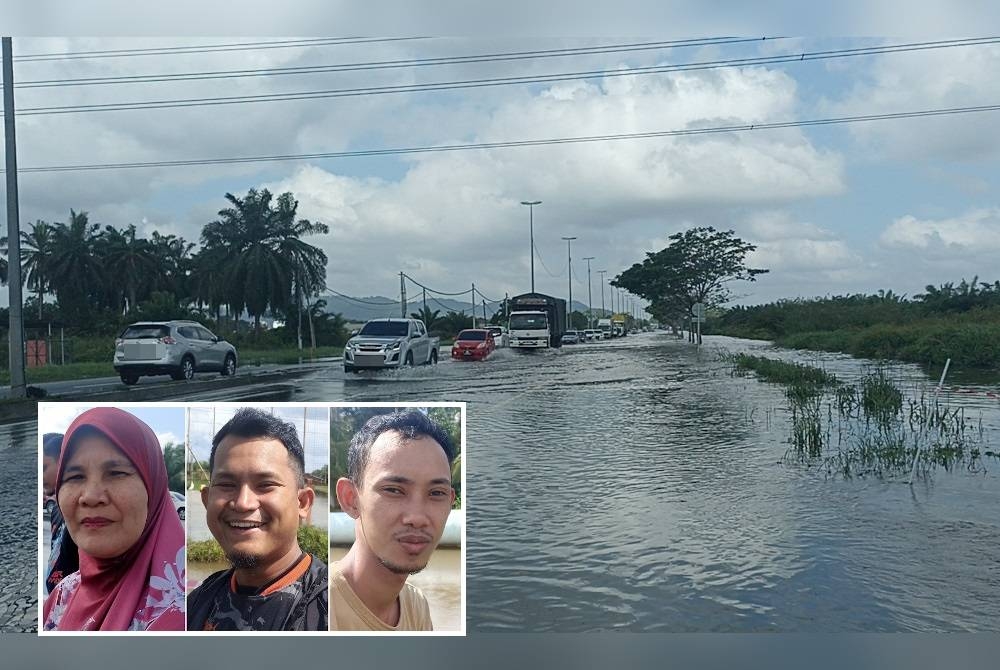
<point>635,485</point>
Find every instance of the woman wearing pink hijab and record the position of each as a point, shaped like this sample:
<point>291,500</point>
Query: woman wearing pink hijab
<point>112,489</point>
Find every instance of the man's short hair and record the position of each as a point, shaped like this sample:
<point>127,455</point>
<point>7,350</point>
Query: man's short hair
<point>250,422</point>
<point>410,423</point>
<point>52,445</point>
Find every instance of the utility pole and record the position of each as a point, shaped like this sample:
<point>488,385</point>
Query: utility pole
<point>402,295</point>
<point>602,273</point>
<point>425,300</point>
<point>485,320</point>
<point>531,228</point>
<point>569,276</point>
<point>18,386</point>
<point>590,298</point>
<point>472,307</point>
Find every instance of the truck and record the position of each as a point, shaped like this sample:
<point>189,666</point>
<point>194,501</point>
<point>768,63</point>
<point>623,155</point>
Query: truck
<point>390,343</point>
<point>537,321</point>
<point>604,325</point>
<point>618,325</point>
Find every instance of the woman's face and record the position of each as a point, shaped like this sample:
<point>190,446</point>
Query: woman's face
<point>103,498</point>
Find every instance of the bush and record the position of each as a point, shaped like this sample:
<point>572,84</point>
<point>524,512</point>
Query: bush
<point>312,540</point>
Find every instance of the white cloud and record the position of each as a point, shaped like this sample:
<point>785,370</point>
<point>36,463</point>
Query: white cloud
<point>975,231</point>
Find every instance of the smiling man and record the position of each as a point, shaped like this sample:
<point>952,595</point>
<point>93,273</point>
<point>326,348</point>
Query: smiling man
<point>255,502</point>
<point>398,491</point>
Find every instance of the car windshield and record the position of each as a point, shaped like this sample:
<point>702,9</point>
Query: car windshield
<point>146,332</point>
<point>528,321</point>
<point>472,335</point>
<point>385,329</point>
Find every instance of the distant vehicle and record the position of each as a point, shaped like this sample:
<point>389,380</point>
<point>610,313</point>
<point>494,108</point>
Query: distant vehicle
<point>473,344</point>
<point>605,327</point>
<point>180,503</point>
<point>571,337</point>
<point>537,321</point>
<point>49,505</point>
<point>175,348</point>
<point>593,334</point>
<point>390,343</point>
<point>499,335</point>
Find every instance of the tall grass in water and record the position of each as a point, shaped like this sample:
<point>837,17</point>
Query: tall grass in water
<point>804,399</point>
<point>776,371</point>
<point>881,399</point>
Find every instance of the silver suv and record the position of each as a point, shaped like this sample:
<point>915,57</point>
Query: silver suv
<point>175,348</point>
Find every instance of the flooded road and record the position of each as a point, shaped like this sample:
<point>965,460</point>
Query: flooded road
<point>636,485</point>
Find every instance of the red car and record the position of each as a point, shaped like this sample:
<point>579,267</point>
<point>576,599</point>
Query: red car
<point>473,344</point>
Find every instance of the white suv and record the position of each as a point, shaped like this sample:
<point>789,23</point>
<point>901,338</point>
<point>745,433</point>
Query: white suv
<point>175,348</point>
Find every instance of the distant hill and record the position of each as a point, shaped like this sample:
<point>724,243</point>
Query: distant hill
<point>379,307</point>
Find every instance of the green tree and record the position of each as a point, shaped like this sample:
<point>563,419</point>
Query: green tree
<point>264,258</point>
<point>133,265</point>
<point>75,273</point>
<point>427,315</point>
<point>696,267</point>
<point>36,256</point>
<point>173,456</point>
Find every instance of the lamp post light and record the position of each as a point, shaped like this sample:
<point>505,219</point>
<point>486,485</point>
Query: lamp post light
<point>569,276</point>
<point>590,298</point>
<point>531,228</point>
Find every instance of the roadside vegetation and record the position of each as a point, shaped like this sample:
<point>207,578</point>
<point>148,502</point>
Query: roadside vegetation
<point>871,428</point>
<point>957,321</point>
<point>85,281</point>
<point>311,539</point>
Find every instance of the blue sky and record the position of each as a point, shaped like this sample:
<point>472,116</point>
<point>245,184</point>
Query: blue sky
<point>838,209</point>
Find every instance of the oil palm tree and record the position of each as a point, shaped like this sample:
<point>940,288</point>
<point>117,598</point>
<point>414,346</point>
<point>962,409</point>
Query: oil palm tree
<point>37,248</point>
<point>75,274</point>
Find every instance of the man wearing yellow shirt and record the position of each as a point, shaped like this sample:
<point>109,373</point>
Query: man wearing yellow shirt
<point>398,491</point>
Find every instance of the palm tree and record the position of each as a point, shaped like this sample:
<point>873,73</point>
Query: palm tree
<point>133,264</point>
<point>75,273</point>
<point>263,258</point>
<point>426,315</point>
<point>36,253</point>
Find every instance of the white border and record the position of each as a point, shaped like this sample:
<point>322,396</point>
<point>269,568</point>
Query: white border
<point>461,406</point>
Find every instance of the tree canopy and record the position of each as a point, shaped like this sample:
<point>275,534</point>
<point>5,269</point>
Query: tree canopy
<point>696,267</point>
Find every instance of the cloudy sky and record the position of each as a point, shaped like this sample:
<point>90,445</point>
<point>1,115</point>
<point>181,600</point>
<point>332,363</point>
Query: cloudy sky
<point>886,204</point>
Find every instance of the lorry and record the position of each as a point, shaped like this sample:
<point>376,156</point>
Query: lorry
<point>604,325</point>
<point>537,321</point>
<point>618,325</point>
<point>390,343</point>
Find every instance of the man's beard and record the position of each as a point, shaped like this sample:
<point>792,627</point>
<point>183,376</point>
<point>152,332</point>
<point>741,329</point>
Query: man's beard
<point>399,569</point>
<point>243,561</point>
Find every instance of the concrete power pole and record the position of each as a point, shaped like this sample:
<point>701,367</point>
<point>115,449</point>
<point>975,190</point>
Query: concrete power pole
<point>402,296</point>
<point>18,388</point>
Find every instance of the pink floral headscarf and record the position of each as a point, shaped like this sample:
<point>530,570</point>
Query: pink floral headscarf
<point>143,588</point>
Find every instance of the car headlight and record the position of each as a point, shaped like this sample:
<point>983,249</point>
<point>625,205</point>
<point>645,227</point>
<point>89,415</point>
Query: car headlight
<point>395,347</point>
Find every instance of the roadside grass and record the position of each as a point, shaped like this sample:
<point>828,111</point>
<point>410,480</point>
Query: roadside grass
<point>286,356</point>
<point>311,539</point>
<point>871,428</point>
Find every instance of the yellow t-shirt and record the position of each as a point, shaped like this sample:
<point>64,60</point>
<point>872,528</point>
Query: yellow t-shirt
<point>347,612</point>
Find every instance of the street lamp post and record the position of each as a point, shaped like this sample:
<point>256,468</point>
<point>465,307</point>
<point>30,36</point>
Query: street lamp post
<point>590,298</point>
<point>569,276</point>
<point>602,273</point>
<point>531,228</point>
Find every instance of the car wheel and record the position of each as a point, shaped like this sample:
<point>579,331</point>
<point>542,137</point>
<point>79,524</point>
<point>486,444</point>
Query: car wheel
<point>186,371</point>
<point>180,513</point>
<point>129,379</point>
<point>348,368</point>
<point>409,359</point>
<point>434,357</point>
<point>229,367</point>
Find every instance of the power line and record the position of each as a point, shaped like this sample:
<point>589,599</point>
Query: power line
<point>386,65</point>
<point>544,265</point>
<point>209,48</point>
<point>519,143</point>
<point>432,290</point>
<point>365,302</point>
<point>495,81</point>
